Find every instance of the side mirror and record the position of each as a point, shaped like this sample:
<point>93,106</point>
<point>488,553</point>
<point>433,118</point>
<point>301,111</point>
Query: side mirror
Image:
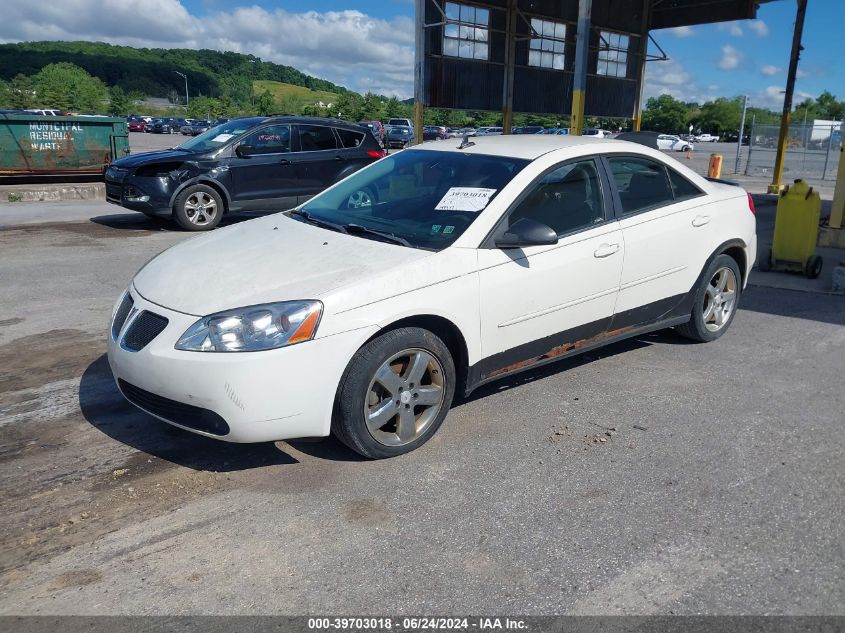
<point>527,232</point>
<point>244,151</point>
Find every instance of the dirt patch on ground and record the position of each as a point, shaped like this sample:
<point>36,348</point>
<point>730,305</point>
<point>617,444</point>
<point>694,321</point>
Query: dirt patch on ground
<point>77,233</point>
<point>33,361</point>
<point>8,322</point>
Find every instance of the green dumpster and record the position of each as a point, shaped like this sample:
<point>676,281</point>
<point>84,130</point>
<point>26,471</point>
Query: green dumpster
<point>35,145</point>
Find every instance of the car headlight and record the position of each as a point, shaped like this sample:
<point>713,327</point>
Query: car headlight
<point>254,328</point>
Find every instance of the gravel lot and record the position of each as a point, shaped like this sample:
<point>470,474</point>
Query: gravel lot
<point>655,476</point>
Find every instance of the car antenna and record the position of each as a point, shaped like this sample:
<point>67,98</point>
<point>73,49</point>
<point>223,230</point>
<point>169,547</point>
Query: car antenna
<point>466,142</point>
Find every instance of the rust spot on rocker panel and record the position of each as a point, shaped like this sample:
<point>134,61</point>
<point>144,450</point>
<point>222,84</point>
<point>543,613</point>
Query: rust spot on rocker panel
<point>559,350</point>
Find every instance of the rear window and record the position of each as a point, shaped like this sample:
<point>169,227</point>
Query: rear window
<point>350,138</point>
<point>315,138</point>
<point>682,187</point>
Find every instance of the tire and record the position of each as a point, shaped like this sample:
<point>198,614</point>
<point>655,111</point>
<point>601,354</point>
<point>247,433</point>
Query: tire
<point>383,380</point>
<point>713,310</point>
<point>198,208</point>
<point>364,197</point>
<point>764,262</point>
<point>814,267</point>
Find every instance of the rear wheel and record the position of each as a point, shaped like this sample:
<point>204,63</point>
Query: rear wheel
<point>395,393</point>
<point>363,197</point>
<point>814,267</point>
<point>716,301</point>
<point>198,208</point>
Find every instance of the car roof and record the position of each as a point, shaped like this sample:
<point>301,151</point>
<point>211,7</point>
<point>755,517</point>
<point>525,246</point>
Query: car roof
<point>314,120</point>
<point>526,146</point>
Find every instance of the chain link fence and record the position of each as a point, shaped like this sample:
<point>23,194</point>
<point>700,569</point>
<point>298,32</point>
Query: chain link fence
<point>812,151</point>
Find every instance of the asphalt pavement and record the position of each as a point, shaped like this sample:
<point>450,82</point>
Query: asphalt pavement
<point>655,476</point>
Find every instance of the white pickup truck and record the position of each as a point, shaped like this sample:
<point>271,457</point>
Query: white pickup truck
<point>706,138</point>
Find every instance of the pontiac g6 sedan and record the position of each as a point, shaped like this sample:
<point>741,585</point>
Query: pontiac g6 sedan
<point>428,273</point>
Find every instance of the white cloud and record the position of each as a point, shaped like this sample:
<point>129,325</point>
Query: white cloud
<point>733,28</point>
<point>666,77</point>
<point>681,31</point>
<point>730,58</point>
<point>770,70</point>
<point>759,27</point>
<point>349,47</point>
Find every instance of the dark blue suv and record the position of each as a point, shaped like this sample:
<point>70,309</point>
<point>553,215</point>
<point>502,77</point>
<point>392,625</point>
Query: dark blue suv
<point>249,164</point>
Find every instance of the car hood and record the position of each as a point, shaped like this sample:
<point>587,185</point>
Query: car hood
<point>274,258</point>
<point>147,158</point>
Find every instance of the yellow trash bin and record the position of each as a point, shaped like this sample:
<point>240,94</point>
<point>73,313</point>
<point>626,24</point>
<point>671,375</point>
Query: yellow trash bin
<point>796,232</point>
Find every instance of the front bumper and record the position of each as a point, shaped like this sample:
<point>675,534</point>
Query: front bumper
<point>150,195</point>
<point>238,397</point>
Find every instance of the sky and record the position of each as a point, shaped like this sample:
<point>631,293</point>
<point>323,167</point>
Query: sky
<point>368,44</point>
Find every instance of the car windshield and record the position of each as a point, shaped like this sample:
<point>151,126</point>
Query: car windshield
<point>218,136</point>
<point>422,198</point>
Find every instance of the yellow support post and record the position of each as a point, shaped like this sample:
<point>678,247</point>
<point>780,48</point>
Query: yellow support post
<point>837,211</point>
<point>777,174</point>
<point>579,83</point>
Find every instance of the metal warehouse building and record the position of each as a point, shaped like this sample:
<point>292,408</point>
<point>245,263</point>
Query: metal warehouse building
<point>571,57</point>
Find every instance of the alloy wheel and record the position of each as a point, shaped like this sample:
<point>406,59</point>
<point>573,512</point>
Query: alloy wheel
<point>719,299</point>
<point>360,198</point>
<point>200,208</point>
<point>404,397</point>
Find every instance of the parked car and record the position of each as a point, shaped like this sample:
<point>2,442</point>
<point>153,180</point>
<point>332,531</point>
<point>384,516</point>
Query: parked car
<point>555,131</point>
<point>365,320</point>
<point>194,127</point>
<point>167,126</point>
<point>376,128</point>
<point>452,133</point>
<point>489,131</point>
<point>467,131</point>
<point>527,129</point>
<point>257,163</point>
<point>706,138</point>
<point>595,132</point>
<point>399,136</point>
<point>434,133</point>
<point>674,143</point>
<point>401,123</point>
<point>136,123</point>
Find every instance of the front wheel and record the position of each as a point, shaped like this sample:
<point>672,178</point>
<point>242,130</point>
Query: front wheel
<point>198,208</point>
<point>716,301</point>
<point>363,197</point>
<point>395,393</point>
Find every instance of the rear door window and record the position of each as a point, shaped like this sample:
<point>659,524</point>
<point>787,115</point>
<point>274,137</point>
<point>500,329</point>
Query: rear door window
<point>270,140</point>
<point>642,183</point>
<point>315,138</point>
<point>681,187</point>
<point>350,138</point>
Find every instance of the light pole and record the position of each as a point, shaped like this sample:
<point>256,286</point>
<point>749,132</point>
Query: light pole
<point>185,77</point>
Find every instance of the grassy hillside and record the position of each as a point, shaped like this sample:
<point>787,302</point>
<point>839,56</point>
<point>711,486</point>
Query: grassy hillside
<point>149,71</point>
<point>287,93</point>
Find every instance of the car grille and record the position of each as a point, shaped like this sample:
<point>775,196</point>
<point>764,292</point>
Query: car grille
<point>114,191</point>
<point>180,413</point>
<point>143,329</point>
<point>121,314</point>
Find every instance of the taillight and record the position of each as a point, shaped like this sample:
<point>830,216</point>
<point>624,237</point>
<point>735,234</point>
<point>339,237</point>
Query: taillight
<point>380,153</point>
<point>751,206</point>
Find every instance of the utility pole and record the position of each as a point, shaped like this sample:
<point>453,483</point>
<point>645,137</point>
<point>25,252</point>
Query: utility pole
<point>582,49</point>
<point>741,132</point>
<point>787,97</point>
<point>185,77</point>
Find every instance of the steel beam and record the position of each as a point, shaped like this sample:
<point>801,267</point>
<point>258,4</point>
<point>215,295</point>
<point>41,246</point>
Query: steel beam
<point>419,69</point>
<point>582,50</point>
<point>775,187</point>
<point>510,60</point>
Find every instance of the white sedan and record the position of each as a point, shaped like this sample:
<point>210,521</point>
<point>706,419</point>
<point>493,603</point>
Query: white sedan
<point>674,143</point>
<point>432,271</point>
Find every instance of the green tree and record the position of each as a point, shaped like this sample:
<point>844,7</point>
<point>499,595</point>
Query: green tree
<point>68,87</point>
<point>720,116</point>
<point>205,108</point>
<point>372,107</point>
<point>664,114</point>
<point>119,103</point>
<point>265,104</point>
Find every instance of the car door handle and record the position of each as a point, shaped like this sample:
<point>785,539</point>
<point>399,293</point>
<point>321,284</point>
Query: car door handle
<point>284,161</point>
<point>701,220</point>
<point>606,250</point>
<point>338,158</point>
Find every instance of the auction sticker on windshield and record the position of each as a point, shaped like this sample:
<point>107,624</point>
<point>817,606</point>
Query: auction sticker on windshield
<point>222,138</point>
<point>465,199</point>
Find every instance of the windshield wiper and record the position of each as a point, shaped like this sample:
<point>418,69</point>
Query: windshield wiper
<point>318,222</point>
<point>357,229</point>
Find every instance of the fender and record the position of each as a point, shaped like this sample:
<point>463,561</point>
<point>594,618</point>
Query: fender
<point>203,180</point>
